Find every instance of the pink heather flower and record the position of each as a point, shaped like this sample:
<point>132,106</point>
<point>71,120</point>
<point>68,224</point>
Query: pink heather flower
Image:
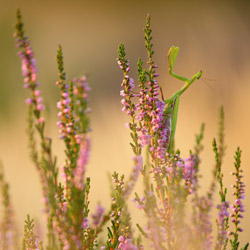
<point>125,244</point>
<point>59,124</point>
<point>127,125</point>
<point>151,109</point>
<point>128,84</point>
<point>238,207</point>
<point>37,92</point>
<point>39,100</point>
<point>203,221</point>
<point>124,109</point>
<point>66,110</point>
<point>144,137</point>
<point>138,161</point>
<point>26,85</point>
<point>59,105</point>
<point>44,200</point>
<point>155,233</point>
<point>25,69</point>
<point>98,215</point>
<point>26,80</point>
<point>139,202</point>
<point>85,223</point>
<point>223,211</point>
<point>29,101</point>
<point>81,163</point>
<point>28,62</point>
<point>66,101</point>
<point>75,91</point>
<point>189,173</point>
<point>78,139</point>
<point>121,238</point>
<point>223,214</point>
<point>122,93</point>
<point>66,245</point>
<point>40,107</point>
<point>40,120</point>
<point>68,130</point>
<point>83,79</point>
<point>63,206</point>
<point>64,175</point>
<point>123,101</point>
<point>33,77</point>
<point>65,94</point>
<point>131,83</point>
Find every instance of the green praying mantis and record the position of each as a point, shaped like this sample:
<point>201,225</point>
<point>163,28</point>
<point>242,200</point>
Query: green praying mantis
<point>172,104</point>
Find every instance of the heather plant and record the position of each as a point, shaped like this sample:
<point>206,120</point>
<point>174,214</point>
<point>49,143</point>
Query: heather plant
<point>8,230</point>
<point>170,181</point>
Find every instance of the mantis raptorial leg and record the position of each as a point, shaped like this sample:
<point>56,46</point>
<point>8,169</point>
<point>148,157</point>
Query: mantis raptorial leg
<point>172,104</point>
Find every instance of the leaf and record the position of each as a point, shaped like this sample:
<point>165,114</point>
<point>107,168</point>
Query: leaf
<point>246,246</point>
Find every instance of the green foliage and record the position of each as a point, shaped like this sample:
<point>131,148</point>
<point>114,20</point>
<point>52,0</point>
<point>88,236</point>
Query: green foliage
<point>30,240</point>
<point>8,227</point>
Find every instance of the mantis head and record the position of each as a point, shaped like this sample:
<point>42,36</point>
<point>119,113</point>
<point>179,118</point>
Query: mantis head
<point>172,54</point>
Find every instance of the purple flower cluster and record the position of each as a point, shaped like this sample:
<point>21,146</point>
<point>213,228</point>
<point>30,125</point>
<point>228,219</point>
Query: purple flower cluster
<point>126,244</point>
<point>81,88</point>
<point>29,71</point>
<point>149,112</point>
<point>98,215</point>
<point>156,233</point>
<point>190,173</point>
<point>151,117</point>
<point>82,161</point>
<point>128,84</point>
<point>65,124</point>
<point>188,169</point>
<point>85,223</point>
<point>81,91</point>
<point>138,161</point>
<point>223,214</point>
<point>140,202</point>
<point>60,223</point>
<point>29,68</point>
<point>69,118</point>
<point>202,223</point>
<point>238,207</point>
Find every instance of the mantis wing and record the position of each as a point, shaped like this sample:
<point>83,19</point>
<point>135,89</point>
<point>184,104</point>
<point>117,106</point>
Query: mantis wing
<point>173,124</point>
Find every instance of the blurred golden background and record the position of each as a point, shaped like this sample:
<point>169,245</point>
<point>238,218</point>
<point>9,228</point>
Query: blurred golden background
<point>212,35</point>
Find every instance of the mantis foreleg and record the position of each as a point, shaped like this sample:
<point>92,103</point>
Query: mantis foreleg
<point>171,110</point>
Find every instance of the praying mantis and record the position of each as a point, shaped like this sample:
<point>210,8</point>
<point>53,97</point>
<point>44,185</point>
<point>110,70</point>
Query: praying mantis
<point>172,104</point>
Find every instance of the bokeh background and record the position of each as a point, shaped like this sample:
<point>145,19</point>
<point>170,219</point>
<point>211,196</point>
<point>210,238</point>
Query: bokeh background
<point>212,35</point>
